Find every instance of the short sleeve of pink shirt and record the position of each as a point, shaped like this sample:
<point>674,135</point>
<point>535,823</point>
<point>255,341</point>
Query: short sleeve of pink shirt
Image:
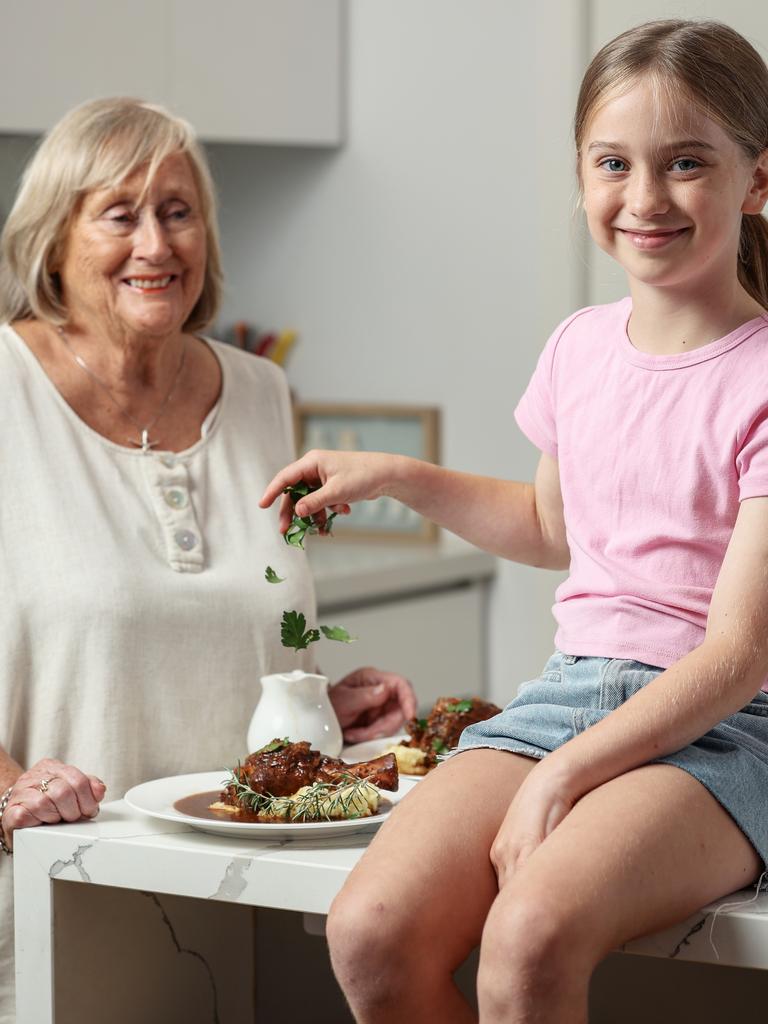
<point>655,453</point>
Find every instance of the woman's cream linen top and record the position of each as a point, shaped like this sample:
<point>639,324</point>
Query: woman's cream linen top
<point>136,619</point>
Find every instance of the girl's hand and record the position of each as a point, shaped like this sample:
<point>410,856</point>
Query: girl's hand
<point>344,477</point>
<point>539,806</point>
<point>370,703</point>
<point>48,792</point>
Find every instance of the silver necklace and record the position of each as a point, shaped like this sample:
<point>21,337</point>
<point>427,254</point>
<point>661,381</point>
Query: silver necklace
<point>144,428</point>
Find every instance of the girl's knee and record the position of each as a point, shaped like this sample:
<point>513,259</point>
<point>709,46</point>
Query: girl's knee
<point>529,941</point>
<point>366,937</point>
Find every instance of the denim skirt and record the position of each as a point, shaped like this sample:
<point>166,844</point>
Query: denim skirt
<point>576,691</point>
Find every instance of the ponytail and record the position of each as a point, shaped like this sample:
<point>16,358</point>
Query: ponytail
<point>753,256</point>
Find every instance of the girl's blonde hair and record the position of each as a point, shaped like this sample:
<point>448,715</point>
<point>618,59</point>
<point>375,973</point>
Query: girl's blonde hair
<point>95,146</point>
<point>721,74</point>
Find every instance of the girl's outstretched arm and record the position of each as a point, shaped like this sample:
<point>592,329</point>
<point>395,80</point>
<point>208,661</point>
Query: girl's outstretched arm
<point>520,521</point>
<point>682,703</point>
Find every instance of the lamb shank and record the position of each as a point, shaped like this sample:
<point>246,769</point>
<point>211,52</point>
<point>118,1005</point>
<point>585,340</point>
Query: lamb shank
<point>439,732</point>
<point>282,768</point>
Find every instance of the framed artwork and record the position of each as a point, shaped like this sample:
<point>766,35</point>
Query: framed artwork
<point>401,429</point>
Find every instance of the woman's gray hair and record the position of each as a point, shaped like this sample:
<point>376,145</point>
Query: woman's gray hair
<point>97,145</point>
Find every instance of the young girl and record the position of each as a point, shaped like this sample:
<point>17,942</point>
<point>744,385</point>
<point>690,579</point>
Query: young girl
<point>626,787</point>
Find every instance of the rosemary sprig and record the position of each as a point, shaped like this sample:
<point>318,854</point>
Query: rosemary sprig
<point>322,801</point>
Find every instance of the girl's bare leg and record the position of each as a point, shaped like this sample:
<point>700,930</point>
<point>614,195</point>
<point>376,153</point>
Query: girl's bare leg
<point>634,856</point>
<point>414,907</point>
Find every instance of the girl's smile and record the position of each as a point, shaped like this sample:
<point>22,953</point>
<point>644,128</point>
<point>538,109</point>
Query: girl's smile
<point>651,240</point>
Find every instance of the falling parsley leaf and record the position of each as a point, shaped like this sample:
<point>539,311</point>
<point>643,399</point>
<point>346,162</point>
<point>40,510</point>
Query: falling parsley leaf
<point>271,576</point>
<point>337,633</point>
<point>294,632</point>
<point>459,706</point>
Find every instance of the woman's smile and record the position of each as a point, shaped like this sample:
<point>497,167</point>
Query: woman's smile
<point>150,285</point>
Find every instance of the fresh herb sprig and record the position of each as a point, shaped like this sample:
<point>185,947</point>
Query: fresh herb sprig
<point>458,707</point>
<point>321,801</point>
<point>300,526</point>
<point>294,632</point>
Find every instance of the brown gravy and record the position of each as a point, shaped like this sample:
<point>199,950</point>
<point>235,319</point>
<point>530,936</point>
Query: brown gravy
<point>197,806</point>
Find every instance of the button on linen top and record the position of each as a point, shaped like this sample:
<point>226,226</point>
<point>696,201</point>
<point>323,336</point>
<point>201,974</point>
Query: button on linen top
<point>655,454</point>
<point>136,619</point>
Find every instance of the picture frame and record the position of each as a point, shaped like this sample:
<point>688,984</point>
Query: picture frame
<point>402,429</point>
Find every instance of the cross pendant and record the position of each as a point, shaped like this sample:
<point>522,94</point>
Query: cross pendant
<point>145,444</point>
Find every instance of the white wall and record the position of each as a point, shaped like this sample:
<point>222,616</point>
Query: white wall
<point>428,260</point>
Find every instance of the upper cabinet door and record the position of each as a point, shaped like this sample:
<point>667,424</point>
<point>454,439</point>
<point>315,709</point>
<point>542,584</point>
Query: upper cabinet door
<point>240,71</point>
<point>259,70</point>
<point>54,56</point>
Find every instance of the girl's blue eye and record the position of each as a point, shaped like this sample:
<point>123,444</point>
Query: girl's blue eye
<point>691,164</point>
<point>614,165</point>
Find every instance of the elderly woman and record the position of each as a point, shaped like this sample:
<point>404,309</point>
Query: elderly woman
<point>136,618</point>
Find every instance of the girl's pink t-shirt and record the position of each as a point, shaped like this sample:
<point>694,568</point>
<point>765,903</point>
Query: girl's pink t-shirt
<point>655,455</point>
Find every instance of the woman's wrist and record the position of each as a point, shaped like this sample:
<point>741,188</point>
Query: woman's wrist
<point>6,796</point>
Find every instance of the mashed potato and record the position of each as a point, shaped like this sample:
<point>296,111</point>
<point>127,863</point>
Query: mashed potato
<point>316,803</point>
<point>410,760</point>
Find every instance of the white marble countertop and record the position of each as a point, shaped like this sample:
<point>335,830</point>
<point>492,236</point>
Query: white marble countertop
<point>348,571</point>
<point>131,851</point>
<point>126,849</point>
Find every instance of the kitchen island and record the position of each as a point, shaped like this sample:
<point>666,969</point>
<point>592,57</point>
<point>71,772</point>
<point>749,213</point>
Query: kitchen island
<point>160,858</point>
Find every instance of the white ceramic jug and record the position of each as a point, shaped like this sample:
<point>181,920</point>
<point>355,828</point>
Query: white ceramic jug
<point>295,705</point>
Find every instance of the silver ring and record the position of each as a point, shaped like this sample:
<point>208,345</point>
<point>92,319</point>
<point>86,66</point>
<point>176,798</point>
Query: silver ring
<point>44,783</point>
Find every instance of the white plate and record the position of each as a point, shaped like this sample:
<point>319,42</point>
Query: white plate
<point>156,799</point>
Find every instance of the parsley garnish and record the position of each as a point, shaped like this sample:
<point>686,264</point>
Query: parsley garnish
<point>271,576</point>
<point>338,633</point>
<point>294,632</point>
<point>274,745</point>
<point>302,525</point>
<point>458,707</point>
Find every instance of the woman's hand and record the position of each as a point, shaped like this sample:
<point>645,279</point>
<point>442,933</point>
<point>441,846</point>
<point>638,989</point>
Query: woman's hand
<point>370,703</point>
<point>539,806</point>
<point>343,477</point>
<point>48,792</point>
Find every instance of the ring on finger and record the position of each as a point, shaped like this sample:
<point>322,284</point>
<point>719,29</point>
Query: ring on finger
<point>45,783</point>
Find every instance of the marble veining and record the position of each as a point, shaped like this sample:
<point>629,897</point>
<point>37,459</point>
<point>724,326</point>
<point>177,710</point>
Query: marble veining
<point>76,861</point>
<point>154,898</point>
<point>234,881</point>
<point>685,941</point>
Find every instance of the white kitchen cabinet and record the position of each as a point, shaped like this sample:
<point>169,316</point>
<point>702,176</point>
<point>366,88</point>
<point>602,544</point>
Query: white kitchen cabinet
<point>242,71</point>
<point>258,70</point>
